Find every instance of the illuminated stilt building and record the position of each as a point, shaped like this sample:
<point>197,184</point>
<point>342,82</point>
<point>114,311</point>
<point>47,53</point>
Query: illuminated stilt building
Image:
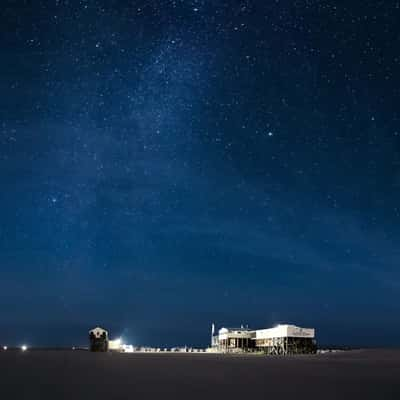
<point>286,339</point>
<point>234,340</point>
<point>280,340</point>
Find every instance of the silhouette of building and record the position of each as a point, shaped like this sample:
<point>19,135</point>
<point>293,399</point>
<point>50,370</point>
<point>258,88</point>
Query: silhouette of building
<point>98,338</point>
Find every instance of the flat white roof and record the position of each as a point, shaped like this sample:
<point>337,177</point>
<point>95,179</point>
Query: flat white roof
<point>285,331</point>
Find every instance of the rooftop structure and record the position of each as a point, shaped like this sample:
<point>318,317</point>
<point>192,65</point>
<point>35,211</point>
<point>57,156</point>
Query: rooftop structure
<point>285,331</point>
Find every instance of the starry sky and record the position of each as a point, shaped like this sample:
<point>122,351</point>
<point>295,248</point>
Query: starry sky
<point>165,164</point>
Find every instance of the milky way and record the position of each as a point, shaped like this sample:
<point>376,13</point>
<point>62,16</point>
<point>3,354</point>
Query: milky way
<point>167,164</point>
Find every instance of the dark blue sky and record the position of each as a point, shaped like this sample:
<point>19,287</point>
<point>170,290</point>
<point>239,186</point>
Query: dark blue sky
<point>168,164</point>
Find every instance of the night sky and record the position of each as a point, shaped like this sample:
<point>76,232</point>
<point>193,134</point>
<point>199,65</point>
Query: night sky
<point>167,164</point>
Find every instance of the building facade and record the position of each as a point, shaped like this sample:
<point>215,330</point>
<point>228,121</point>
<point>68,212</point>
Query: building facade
<point>234,339</point>
<point>280,340</point>
<point>286,339</point>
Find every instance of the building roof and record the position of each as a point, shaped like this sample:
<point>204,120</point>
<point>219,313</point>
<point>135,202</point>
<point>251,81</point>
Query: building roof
<point>241,329</point>
<point>97,330</point>
<point>285,331</point>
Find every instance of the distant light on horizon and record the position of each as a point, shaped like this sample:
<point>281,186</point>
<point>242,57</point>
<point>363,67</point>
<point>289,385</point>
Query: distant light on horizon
<point>5,348</point>
<point>24,347</point>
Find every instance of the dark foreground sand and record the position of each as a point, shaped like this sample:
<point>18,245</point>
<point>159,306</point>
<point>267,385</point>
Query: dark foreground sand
<point>372,374</point>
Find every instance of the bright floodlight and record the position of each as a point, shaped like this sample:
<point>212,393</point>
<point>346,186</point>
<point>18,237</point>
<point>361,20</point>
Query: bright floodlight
<point>24,348</point>
<point>5,348</point>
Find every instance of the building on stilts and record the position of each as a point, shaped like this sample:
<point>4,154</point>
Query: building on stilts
<point>279,340</point>
<point>286,340</point>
